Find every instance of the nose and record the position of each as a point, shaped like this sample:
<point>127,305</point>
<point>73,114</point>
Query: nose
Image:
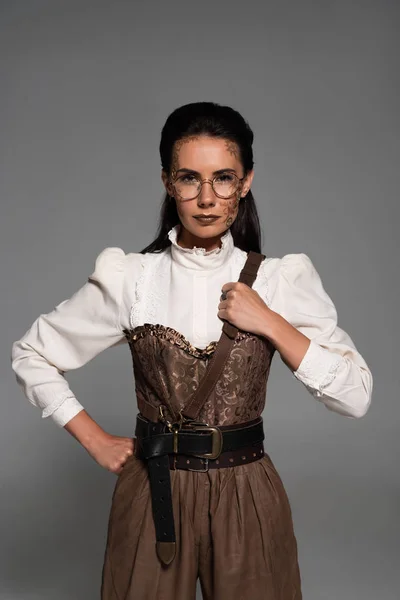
<point>206,196</point>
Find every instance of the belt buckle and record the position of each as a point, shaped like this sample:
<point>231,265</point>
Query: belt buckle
<point>205,460</point>
<point>216,439</point>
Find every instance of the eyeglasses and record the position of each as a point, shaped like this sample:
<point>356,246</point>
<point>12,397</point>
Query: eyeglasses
<point>188,186</point>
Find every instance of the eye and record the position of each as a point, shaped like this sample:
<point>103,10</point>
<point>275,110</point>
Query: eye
<point>225,178</point>
<point>187,178</point>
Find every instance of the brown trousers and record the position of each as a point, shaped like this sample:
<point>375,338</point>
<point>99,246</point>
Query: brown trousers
<point>234,533</point>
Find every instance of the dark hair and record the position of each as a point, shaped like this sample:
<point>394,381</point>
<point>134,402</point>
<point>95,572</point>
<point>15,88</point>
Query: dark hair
<point>209,118</point>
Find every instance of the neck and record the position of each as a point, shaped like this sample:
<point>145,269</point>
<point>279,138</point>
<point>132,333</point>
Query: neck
<point>197,257</point>
<point>186,239</point>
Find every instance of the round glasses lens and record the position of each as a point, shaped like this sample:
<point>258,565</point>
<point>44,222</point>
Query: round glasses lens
<point>187,186</point>
<point>226,184</point>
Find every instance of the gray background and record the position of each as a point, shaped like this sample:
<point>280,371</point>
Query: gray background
<point>85,89</point>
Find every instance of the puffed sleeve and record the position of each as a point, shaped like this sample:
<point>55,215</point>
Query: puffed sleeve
<point>68,337</point>
<point>332,370</point>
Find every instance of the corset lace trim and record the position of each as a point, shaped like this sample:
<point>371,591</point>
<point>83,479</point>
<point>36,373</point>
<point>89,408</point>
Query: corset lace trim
<point>177,338</point>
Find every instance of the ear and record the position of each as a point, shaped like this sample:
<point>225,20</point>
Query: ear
<point>165,180</point>
<point>247,182</point>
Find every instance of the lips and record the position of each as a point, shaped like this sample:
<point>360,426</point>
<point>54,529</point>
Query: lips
<point>211,218</point>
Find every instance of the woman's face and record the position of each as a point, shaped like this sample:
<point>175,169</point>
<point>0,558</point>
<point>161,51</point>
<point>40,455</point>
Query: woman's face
<point>204,155</point>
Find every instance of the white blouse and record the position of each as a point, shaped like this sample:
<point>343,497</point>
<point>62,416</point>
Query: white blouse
<point>180,288</point>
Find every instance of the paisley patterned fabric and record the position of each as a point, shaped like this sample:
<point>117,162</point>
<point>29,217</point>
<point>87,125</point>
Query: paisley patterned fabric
<point>234,525</point>
<point>168,369</point>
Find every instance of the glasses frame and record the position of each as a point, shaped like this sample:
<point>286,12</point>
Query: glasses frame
<point>211,181</point>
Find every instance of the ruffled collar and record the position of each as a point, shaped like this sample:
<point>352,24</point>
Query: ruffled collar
<point>199,258</point>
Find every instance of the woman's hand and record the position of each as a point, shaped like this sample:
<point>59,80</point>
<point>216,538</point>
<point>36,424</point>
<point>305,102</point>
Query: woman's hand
<point>109,451</point>
<point>112,451</point>
<point>245,309</point>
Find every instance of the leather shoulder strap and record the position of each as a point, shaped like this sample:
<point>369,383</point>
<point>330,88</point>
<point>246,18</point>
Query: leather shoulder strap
<point>224,345</point>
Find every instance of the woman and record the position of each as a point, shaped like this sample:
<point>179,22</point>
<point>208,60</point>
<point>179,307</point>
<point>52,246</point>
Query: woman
<point>224,513</point>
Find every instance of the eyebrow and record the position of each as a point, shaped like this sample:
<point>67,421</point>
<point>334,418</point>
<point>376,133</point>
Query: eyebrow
<point>183,170</point>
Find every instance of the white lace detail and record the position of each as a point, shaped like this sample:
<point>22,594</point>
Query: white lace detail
<point>318,368</point>
<point>238,259</point>
<point>261,285</point>
<point>151,290</point>
<point>153,284</point>
<point>135,313</point>
<point>331,374</point>
<point>51,408</point>
<point>157,289</point>
<point>225,240</point>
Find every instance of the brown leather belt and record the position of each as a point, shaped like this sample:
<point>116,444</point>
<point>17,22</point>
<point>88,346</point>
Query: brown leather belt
<point>230,458</point>
<point>194,446</point>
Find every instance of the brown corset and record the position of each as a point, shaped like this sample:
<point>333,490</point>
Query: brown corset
<point>168,368</point>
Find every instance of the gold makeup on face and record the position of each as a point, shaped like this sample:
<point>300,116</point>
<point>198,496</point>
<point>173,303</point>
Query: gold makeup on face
<point>206,178</point>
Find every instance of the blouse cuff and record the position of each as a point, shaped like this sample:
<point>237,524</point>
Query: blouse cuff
<point>63,410</point>
<point>318,367</point>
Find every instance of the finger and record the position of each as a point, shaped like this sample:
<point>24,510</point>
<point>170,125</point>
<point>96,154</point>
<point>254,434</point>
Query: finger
<point>122,465</point>
<point>227,287</point>
<point>232,285</point>
<point>225,295</point>
<point>116,470</point>
<point>130,444</point>
<point>222,308</point>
